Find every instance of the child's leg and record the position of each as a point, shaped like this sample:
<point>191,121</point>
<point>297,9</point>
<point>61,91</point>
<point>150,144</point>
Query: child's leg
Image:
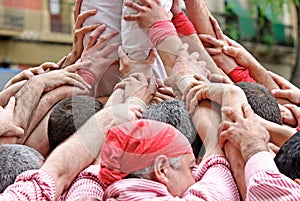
<point>136,42</point>
<point>109,13</point>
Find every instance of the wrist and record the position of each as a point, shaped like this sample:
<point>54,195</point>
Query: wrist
<point>251,149</point>
<point>161,30</point>
<point>184,82</point>
<point>136,101</point>
<point>183,25</point>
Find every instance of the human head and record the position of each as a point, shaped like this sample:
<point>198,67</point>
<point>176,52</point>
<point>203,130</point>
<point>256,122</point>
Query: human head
<point>261,101</point>
<point>68,116</point>
<point>173,112</point>
<point>15,159</point>
<point>141,144</point>
<point>287,158</point>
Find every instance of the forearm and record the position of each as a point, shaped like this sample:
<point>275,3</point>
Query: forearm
<point>167,50</point>
<point>206,120</point>
<point>79,151</point>
<point>27,99</point>
<point>198,14</point>
<point>279,134</point>
<point>10,91</point>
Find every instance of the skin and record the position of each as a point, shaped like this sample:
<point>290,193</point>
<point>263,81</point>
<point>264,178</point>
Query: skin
<point>171,177</point>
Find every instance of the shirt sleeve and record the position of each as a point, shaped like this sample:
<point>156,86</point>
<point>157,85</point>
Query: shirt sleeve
<point>31,185</point>
<point>85,185</point>
<point>240,74</point>
<point>265,182</point>
<point>214,181</point>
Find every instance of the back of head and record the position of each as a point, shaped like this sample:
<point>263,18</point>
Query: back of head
<point>15,159</point>
<point>261,101</point>
<point>68,116</point>
<point>288,157</point>
<point>136,145</point>
<point>173,112</point>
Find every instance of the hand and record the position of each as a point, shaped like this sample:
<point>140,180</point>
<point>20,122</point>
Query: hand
<point>29,73</point>
<point>129,66</point>
<point>79,33</point>
<point>162,93</point>
<point>7,127</point>
<point>148,13</point>
<point>66,76</point>
<point>243,132</point>
<point>198,91</point>
<point>96,51</point>
<point>226,63</point>
<point>138,85</point>
<point>290,114</point>
<point>175,8</point>
<point>186,64</point>
<point>287,90</point>
<point>219,78</point>
<point>239,53</point>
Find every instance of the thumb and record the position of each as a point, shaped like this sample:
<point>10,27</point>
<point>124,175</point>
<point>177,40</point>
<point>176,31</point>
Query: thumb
<point>152,56</point>
<point>230,51</point>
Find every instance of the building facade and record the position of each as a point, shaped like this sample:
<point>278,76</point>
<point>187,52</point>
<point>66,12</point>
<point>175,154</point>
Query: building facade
<point>35,31</point>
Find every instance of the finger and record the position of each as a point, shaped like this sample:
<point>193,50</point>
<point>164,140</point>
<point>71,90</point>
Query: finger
<point>190,95</point>
<point>84,30</point>
<point>223,138</point>
<point>103,39</point>
<point>15,131</point>
<point>294,109</point>
<point>152,56</point>
<point>278,93</point>
<point>75,67</point>
<point>75,80</point>
<point>217,78</point>
<point>131,17</point>
<point>10,107</point>
<point>135,6</point>
<point>200,95</point>
<point>49,65</point>
<point>231,51</point>
<point>166,91</point>
<point>247,110</point>
<point>79,20</point>
<point>76,9</point>
<point>195,56</point>
<point>157,100</point>
<point>182,52</point>
<point>231,113</point>
<point>109,49</point>
<point>213,51</point>
<point>217,28</point>
<point>211,40</point>
<point>94,35</point>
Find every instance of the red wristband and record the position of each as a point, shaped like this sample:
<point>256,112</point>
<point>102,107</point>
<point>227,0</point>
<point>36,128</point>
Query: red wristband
<point>183,25</point>
<point>161,30</point>
<point>88,76</point>
<point>240,74</point>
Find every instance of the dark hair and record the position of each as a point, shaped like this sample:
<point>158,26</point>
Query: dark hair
<point>173,112</point>
<point>68,116</point>
<point>288,157</point>
<point>261,101</point>
<point>15,159</point>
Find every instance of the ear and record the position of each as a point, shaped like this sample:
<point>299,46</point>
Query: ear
<point>297,181</point>
<point>161,168</point>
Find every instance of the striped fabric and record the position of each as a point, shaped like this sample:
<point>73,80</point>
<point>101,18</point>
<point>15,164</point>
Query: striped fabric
<point>85,185</point>
<point>264,181</point>
<point>214,182</point>
<point>30,185</point>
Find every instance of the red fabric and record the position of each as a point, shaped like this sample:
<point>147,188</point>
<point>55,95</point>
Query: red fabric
<point>135,145</point>
<point>183,25</point>
<point>88,76</point>
<point>240,74</point>
<point>161,30</point>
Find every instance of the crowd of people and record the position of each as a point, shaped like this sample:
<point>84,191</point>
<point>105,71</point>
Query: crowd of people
<point>151,103</point>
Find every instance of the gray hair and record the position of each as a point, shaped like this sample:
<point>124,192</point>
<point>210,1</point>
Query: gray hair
<point>15,159</point>
<point>145,173</point>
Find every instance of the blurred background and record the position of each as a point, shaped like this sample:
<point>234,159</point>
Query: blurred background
<point>35,31</point>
